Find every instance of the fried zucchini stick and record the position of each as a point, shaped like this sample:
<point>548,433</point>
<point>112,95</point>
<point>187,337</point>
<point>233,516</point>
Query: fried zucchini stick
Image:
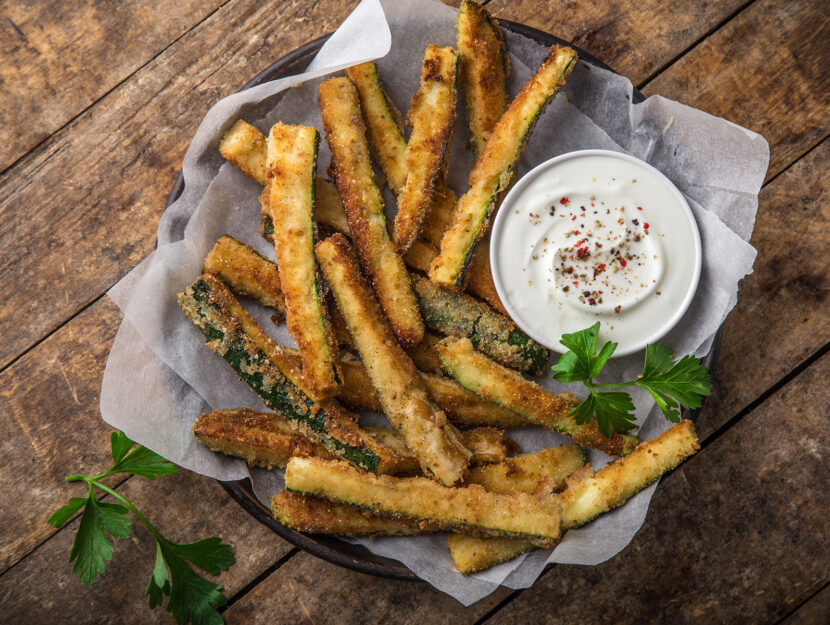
<point>321,516</point>
<point>480,375</point>
<point>457,314</point>
<point>401,390</point>
<point>484,70</point>
<point>540,472</point>
<point>495,168</point>
<point>268,440</point>
<point>246,271</point>
<point>469,509</point>
<point>588,494</point>
<point>292,161</point>
<point>232,333</point>
<point>432,116</point>
<point>383,124</point>
<point>244,146</point>
<point>363,202</point>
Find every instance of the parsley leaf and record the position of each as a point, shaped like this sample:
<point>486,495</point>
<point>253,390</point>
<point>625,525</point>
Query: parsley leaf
<point>673,386</point>
<point>190,597</point>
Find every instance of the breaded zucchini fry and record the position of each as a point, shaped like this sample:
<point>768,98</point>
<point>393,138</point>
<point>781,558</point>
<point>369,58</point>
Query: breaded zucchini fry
<point>587,495</point>
<point>261,439</point>
<point>432,116</point>
<point>469,509</point>
<point>389,148</point>
<point>383,124</point>
<point>495,168</point>
<point>538,473</point>
<point>233,334</point>
<point>477,373</point>
<point>246,271</point>
<point>462,406</point>
<point>457,314</point>
<point>244,146</point>
<point>546,468</point>
<point>401,390</point>
<point>309,514</point>
<point>292,161</point>
<point>268,440</point>
<point>484,70</point>
<point>346,137</point>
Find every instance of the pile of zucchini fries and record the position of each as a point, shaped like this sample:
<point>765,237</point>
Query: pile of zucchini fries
<point>403,319</point>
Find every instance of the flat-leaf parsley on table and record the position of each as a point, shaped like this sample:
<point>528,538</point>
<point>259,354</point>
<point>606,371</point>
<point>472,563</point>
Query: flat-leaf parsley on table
<point>683,384</point>
<point>190,596</point>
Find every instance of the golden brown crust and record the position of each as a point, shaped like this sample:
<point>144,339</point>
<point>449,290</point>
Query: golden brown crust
<point>494,169</point>
<point>345,133</point>
<point>401,390</point>
<point>484,70</point>
<point>244,146</point>
<point>245,271</point>
<point>261,439</point>
<point>509,389</point>
<point>432,116</point>
<point>305,513</point>
<point>292,161</point>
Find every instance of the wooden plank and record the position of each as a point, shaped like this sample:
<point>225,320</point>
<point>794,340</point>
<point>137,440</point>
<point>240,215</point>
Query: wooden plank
<point>309,590</point>
<point>766,70</point>
<point>60,57</point>
<point>737,535</point>
<point>51,425</point>
<point>99,186</point>
<point>814,612</point>
<point>781,317</point>
<point>43,589</point>
<point>635,38</point>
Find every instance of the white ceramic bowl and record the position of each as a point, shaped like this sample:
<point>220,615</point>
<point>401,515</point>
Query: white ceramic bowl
<point>650,318</point>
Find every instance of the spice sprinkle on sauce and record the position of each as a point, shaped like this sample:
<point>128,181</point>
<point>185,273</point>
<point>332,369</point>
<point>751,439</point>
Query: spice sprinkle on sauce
<point>592,236</point>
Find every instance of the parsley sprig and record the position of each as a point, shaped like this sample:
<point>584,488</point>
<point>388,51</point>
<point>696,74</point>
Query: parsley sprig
<point>190,596</point>
<point>672,385</point>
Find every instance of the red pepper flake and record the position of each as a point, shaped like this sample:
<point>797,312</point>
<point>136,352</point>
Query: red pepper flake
<point>564,201</point>
<point>639,208</point>
<point>580,242</point>
<point>573,218</point>
<point>575,282</point>
<point>599,269</point>
<point>591,301</point>
<point>645,225</point>
<point>623,262</point>
<point>576,232</point>
<point>582,252</point>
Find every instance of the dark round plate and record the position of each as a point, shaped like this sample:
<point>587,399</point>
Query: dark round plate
<point>329,548</point>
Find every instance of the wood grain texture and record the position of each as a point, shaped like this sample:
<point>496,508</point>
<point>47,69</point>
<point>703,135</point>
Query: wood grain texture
<point>309,590</point>
<point>199,508</point>
<point>766,70</point>
<point>737,534</point>
<point>635,38</point>
<point>99,186</point>
<point>52,426</point>
<point>60,57</point>
<point>781,317</point>
<point>813,612</point>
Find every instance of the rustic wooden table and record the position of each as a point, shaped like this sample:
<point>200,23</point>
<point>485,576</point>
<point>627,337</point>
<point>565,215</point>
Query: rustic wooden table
<point>98,103</point>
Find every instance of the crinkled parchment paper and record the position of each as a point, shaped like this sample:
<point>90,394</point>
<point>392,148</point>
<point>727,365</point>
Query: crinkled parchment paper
<point>160,375</point>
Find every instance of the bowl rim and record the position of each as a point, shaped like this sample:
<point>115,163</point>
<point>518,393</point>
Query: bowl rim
<point>503,215</point>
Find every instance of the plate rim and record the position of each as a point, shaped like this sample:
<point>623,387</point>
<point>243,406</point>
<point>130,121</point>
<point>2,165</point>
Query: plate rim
<point>329,548</point>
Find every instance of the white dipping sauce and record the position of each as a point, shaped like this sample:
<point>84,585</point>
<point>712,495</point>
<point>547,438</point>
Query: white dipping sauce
<point>596,236</point>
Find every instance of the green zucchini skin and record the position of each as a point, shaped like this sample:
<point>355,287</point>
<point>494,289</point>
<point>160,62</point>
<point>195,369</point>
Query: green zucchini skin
<point>460,315</point>
<point>209,305</point>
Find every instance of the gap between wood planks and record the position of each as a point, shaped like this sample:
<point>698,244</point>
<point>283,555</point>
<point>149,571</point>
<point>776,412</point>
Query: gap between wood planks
<point>644,83</point>
<point>95,102</point>
<point>784,618</point>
